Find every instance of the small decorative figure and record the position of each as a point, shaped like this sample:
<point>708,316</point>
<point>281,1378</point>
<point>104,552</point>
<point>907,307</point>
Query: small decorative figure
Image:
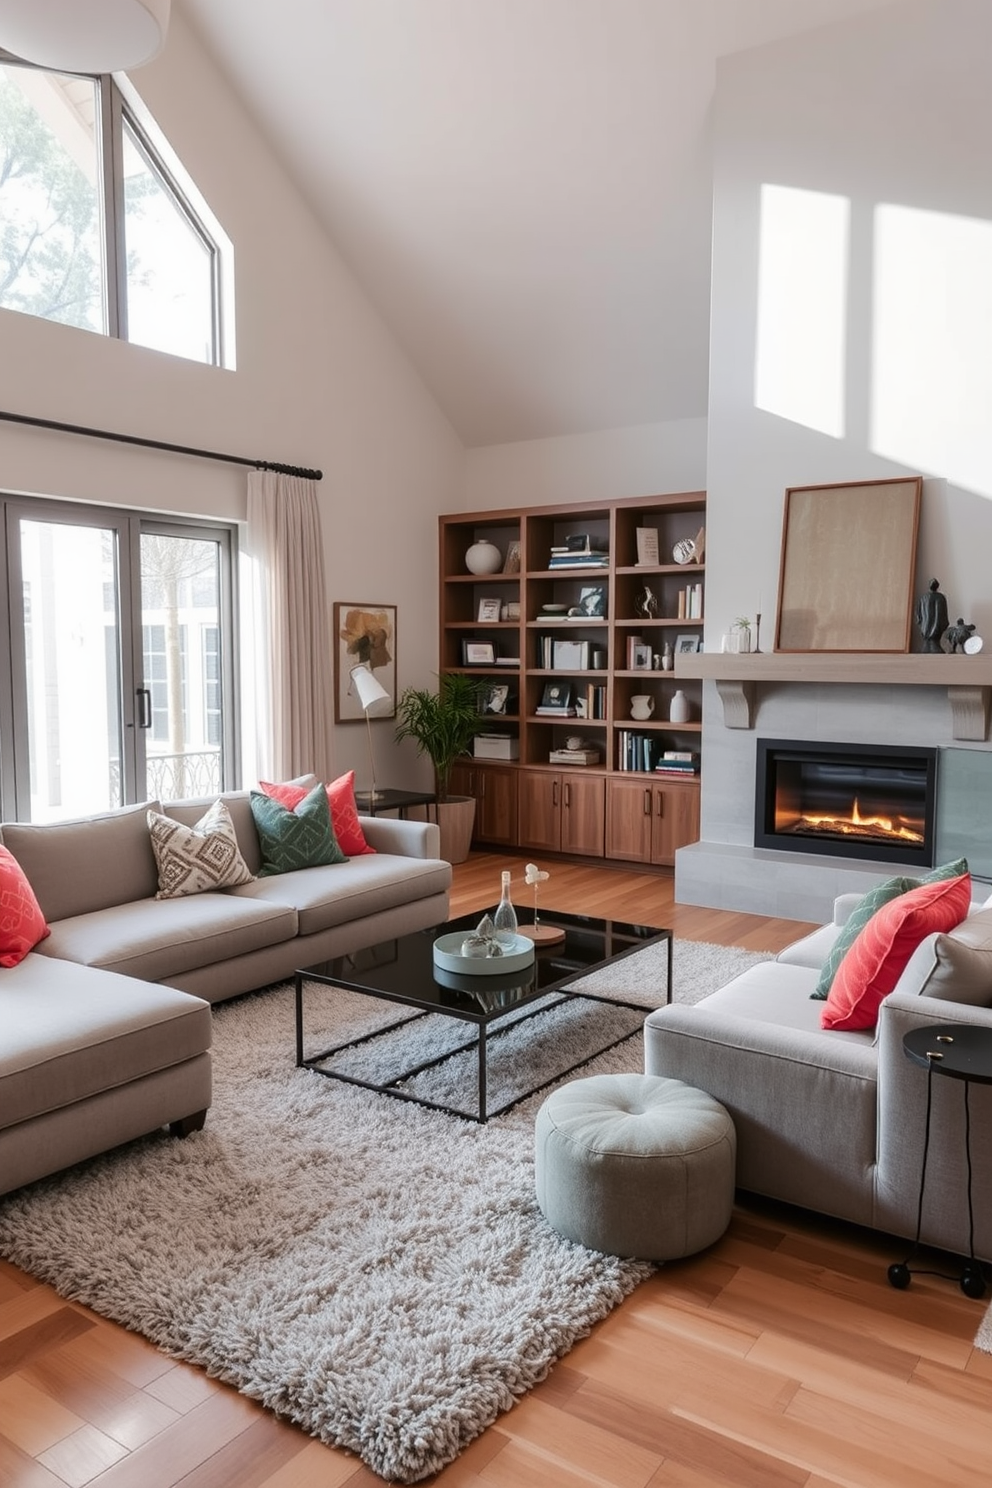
<point>646,604</point>
<point>957,634</point>
<point>540,934</point>
<point>483,941</point>
<point>931,617</point>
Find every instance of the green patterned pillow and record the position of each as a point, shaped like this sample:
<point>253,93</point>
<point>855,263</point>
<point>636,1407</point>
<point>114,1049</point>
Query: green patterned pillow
<point>303,838</point>
<point>862,912</point>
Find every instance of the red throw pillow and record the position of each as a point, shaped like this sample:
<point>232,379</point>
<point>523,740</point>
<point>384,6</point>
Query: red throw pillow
<point>878,955</point>
<point>344,811</point>
<point>22,924</point>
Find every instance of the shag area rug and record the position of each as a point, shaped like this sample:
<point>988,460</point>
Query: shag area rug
<point>377,1272</point>
<point>983,1338</point>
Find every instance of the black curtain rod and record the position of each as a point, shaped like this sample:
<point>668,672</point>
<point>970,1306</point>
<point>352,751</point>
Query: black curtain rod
<point>176,449</point>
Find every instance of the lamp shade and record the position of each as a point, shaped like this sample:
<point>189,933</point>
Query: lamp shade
<point>371,694</point>
<point>84,35</point>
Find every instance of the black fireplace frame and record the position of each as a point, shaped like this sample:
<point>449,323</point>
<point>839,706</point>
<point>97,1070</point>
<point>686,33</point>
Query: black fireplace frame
<point>917,756</point>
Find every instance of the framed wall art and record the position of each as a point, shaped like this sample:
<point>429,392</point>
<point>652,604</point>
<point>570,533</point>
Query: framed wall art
<point>847,567</point>
<point>363,633</point>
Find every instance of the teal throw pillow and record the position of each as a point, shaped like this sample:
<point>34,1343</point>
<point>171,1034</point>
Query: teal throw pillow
<point>302,838</point>
<point>873,901</point>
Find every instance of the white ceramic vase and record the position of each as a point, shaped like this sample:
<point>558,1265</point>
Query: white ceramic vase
<point>678,712</point>
<point>483,558</point>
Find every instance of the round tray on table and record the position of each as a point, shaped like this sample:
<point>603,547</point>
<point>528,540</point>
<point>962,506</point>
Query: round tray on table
<point>448,955</point>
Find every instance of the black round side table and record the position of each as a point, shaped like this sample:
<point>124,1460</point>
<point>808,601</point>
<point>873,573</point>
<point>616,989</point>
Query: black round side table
<point>964,1052</point>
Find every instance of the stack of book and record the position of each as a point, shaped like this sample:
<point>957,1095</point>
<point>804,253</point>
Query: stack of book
<point>678,762</point>
<point>583,550</point>
<point>690,602</point>
<point>585,756</point>
<point>635,751</point>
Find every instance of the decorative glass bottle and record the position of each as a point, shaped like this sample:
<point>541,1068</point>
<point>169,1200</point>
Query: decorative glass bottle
<point>505,918</point>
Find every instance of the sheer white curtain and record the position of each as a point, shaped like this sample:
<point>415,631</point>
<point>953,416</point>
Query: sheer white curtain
<point>287,689</point>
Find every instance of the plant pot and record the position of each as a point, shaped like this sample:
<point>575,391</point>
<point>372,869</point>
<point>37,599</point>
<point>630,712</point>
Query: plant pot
<point>456,819</point>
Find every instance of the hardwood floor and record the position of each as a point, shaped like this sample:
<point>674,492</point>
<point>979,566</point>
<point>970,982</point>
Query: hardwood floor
<point>778,1357</point>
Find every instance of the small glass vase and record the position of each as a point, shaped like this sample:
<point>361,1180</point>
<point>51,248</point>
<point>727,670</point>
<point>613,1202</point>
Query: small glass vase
<point>505,917</point>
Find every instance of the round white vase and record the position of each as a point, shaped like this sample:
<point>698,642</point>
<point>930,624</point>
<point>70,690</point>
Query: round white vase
<point>483,558</point>
<point>678,712</point>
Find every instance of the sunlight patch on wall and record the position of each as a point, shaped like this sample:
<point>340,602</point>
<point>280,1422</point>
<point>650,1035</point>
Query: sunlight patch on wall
<point>802,307</point>
<point>932,344</point>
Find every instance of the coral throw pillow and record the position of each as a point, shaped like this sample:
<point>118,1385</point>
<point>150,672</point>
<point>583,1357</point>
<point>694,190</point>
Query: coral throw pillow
<point>344,812</point>
<point>880,952</point>
<point>22,924</point>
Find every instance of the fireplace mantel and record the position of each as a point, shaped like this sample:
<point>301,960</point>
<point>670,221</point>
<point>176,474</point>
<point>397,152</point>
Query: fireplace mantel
<point>967,679</point>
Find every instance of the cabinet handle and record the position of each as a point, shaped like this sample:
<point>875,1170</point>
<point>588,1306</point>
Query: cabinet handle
<point>647,802</point>
<point>554,793</point>
<point>568,795</point>
<point>481,789</point>
<point>661,803</point>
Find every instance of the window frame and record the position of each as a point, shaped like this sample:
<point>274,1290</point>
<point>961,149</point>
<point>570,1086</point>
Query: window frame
<point>118,104</point>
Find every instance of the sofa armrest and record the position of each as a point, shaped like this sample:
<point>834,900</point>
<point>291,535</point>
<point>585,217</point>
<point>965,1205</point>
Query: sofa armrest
<point>902,1103</point>
<point>409,839</point>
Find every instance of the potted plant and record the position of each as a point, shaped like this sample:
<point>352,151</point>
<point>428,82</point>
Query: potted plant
<point>443,724</point>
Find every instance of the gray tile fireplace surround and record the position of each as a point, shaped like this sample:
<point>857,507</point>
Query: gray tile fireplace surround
<point>725,871</point>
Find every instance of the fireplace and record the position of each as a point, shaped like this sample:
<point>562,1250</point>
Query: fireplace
<point>846,800</point>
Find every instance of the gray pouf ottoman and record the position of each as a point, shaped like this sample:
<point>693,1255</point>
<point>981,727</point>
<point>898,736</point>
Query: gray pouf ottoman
<point>635,1165</point>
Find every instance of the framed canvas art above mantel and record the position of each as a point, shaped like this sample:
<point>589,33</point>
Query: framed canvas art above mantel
<point>363,633</point>
<point>847,567</point>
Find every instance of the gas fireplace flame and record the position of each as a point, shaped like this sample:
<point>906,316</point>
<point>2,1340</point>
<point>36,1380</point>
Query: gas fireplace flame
<point>857,825</point>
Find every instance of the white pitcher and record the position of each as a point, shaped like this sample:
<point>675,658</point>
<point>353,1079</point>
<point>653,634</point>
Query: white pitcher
<point>641,706</point>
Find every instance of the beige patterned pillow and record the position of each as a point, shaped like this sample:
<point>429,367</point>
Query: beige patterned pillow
<point>192,860</point>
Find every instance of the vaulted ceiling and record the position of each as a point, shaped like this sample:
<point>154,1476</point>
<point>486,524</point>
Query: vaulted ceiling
<point>521,186</point>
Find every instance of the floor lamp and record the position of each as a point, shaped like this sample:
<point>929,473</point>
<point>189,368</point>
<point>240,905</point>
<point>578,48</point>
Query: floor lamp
<point>372,697</point>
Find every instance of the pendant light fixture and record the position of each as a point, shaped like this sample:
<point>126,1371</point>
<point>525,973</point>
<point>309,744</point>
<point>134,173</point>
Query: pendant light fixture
<point>84,35</point>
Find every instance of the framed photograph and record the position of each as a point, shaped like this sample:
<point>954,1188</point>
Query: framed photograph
<point>364,634</point>
<point>511,563</point>
<point>557,695</point>
<point>640,659</point>
<point>488,610</point>
<point>847,568</point>
<point>478,653</point>
<point>685,645</point>
<point>592,601</point>
<point>494,697</point>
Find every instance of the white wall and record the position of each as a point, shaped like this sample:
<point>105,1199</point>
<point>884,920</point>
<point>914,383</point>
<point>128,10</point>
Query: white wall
<point>644,460</point>
<point>320,382</point>
<point>888,111</point>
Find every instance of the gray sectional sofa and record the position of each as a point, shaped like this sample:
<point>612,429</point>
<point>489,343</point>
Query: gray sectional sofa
<point>106,1023</point>
<point>835,1121</point>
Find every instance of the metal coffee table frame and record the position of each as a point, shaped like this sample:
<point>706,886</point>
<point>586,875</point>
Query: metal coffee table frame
<point>454,998</point>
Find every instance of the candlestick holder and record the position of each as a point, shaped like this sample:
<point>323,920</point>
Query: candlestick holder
<point>757,633</point>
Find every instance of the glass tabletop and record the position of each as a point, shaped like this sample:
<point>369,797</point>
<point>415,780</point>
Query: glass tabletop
<point>404,971</point>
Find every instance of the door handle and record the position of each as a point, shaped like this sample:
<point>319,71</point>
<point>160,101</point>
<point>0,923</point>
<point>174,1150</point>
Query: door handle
<point>647,803</point>
<point>661,803</point>
<point>568,796</point>
<point>144,696</point>
<point>554,793</point>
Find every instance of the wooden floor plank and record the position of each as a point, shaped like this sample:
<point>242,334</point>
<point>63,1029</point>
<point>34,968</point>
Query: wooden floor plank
<point>779,1358</point>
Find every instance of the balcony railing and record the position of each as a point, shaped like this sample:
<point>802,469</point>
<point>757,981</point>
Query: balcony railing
<point>174,777</point>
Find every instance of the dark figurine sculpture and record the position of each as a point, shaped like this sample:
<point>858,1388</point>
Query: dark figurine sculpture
<point>957,634</point>
<point>931,616</point>
<point>646,604</point>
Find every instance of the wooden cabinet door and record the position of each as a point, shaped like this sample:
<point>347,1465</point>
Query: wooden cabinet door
<point>676,819</point>
<point>583,814</point>
<point>496,812</point>
<point>539,810</point>
<point>630,810</point>
<point>462,782</point>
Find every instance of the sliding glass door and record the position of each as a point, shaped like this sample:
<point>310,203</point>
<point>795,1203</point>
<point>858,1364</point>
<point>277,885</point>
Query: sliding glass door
<point>120,673</point>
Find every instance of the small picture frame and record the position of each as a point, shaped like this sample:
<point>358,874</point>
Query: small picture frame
<point>494,697</point>
<point>478,653</point>
<point>557,695</point>
<point>488,611</point>
<point>511,563</point>
<point>686,644</point>
<point>592,601</point>
<point>640,658</point>
<point>647,547</point>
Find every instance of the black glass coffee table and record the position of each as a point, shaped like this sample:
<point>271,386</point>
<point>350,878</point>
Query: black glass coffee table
<point>403,972</point>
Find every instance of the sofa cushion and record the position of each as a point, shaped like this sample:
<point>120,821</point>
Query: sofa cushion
<point>356,889</point>
<point>192,860</point>
<point>70,1032</point>
<point>956,967</point>
<point>22,924</point>
<point>238,804</point>
<point>162,938</point>
<point>344,811</point>
<point>869,905</point>
<point>299,838</point>
<point>88,863</point>
<point>878,956</point>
